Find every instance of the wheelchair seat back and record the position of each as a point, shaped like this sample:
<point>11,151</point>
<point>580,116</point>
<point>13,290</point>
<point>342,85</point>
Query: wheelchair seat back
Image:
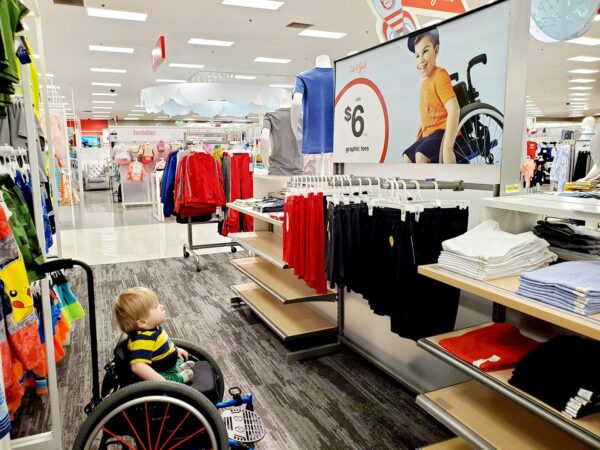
<point>461,91</point>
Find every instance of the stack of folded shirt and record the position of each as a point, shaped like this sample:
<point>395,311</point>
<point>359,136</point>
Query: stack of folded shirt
<point>564,373</point>
<point>496,347</point>
<point>269,205</point>
<point>487,252</point>
<point>247,202</point>
<point>573,285</point>
<point>569,237</point>
<point>581,186</point>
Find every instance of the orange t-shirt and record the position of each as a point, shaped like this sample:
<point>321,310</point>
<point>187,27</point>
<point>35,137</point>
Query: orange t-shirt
<point>436,90</point>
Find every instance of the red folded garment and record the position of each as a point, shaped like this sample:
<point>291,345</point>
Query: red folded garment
<point>497,347</point>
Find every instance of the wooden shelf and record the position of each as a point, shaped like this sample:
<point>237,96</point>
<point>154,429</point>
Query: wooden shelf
<point>257,215</point>
<point>452,444</point>
<point>548,205</point>
<point>502,291</point>
<point>488,420</point>
<point>288,321</point>
<point>281,283</point>
<point>586,429</point>
<point>264,243</point>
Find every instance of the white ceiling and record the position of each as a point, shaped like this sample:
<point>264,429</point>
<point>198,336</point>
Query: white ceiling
<point>68,31</point>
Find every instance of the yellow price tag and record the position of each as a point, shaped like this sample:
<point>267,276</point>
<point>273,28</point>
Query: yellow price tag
<point>512,188</point>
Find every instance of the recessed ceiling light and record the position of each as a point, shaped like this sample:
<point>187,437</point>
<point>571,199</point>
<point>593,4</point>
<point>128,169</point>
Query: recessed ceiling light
<point>584,59</point>
<point>131,118</point>
<point>103,102</point>
<point>163,117</point>
<point>188,66</point>
<point>261,4</point>
<point>138,110</point>
<point>262,59</point>
<point>101,69</point>
<point>135,115</point>
<point>105,94</point>
<point>585,41</point>
<point>584,71</point>
<point>166,80</point>
<point>352,53</point>
<point>96,83</point>
<point>103,48</point>
<point>322,34</point>
<point>114,14</point>
<point>216,43</point>
<point>245,77</point>
<point>582,80</point>
<point>581,88</point>
<point>102,107</point>
<point>282,86</point>
<point>579,94</point>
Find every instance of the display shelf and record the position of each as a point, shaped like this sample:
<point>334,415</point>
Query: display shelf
<point>586,429</point>
<point>452,444</point>
<point>287,321</point>
<point>488,420</point>
<point>280,283</point>
<point>266,244</point>
<point>548,205</point>
<point>502,291</point>
<point>257,215</point>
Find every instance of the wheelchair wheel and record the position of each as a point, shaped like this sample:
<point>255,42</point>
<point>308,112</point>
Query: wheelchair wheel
<point>151,414</point>
<point>196,352</point>
<point>479,138</point>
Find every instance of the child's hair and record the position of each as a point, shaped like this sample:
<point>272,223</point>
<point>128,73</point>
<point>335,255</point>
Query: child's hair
<point>431,34</point>
<point>131,305</point>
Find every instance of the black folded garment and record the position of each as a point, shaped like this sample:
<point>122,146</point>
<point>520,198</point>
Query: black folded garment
<point>562,369</point>
<point>269,205</point>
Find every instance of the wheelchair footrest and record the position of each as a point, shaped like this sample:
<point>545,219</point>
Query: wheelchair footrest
<point>243,426</point>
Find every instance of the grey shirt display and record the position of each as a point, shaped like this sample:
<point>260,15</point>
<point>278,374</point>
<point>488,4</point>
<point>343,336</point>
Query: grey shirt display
<point>286,158</point>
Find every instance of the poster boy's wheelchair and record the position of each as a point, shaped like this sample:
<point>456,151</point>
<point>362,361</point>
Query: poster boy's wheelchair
<point>128,414</point>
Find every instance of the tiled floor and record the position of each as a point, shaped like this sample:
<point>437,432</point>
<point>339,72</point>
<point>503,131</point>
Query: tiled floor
<point>100,232</point>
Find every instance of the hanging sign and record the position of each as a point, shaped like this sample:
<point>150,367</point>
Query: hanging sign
<point>150,134</point>
<point>159,53</point>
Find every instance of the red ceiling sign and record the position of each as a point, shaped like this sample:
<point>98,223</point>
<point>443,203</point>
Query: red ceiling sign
<point>447,6</point>
<point>159,53</point>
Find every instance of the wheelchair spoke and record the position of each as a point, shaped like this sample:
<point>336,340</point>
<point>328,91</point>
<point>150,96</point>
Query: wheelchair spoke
<point>201,430</point>
<point>175,430</point>
<point>148,425</point>
<point>134,430</point>
<point>162,425</point>
<point>106,430</point>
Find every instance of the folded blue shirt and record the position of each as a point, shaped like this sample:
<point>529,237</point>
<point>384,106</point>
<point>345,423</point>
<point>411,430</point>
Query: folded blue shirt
<point>581,276</point>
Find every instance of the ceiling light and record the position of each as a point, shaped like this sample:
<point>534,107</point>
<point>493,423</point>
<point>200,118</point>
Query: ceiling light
<point>138,110</point>
<point>136,115</point>
<point>188,66</point>
<point>139,106</point>
<point>245,77</point>
<point>103,101</point>
<point>581,88</point>
<point>100,69</point>
<point>261,4</point>
<point>102,48</point>
<point>96,83</point>
<point>114,14</point>
<point>166,80</point>
<point>322,34</point>
<point>582,80</point>
<point>131,118</point>
<point>584,71</point>
<point>352,53</point>
<point>105,94</point>
<point>262,59</point>
<point>102,107</point>
<point>585,41</point>
<point>212,42</point>
<point>163,117</point>
<point>579,94</point>
<point>282,86</point>
<point>584,59</point>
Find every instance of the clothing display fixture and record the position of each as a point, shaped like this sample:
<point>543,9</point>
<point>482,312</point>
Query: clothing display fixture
<point>11,14</point>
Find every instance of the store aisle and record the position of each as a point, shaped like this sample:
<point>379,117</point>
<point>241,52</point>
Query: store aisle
<point>335,402</point>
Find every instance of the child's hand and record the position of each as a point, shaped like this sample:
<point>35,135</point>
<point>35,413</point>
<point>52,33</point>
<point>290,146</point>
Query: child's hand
<point>183,354</point>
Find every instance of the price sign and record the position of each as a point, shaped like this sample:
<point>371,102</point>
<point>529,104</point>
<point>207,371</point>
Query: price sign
<point>361,123</point>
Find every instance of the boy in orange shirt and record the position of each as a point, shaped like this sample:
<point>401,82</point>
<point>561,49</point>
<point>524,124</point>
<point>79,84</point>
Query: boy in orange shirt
<point>440,111</point>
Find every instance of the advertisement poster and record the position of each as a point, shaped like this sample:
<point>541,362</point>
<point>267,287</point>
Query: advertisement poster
<point>434,96</point>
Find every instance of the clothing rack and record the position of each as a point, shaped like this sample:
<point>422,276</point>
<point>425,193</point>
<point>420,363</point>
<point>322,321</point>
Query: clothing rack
<point>189,247</point>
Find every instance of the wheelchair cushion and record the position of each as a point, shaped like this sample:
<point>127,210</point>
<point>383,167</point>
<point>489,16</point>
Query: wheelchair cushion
<point>204,380</point>
<point>460,89</point>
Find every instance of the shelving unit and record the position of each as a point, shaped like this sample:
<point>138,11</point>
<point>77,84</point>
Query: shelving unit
<point>257,215</point>
<point>263,243</point>
<point>452,444</point>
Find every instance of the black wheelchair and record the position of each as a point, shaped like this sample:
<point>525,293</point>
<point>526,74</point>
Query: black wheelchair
<point>480,126</point>
<point>128,414</point>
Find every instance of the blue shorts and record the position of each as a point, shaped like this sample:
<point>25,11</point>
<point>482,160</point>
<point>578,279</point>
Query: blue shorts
<point>429,146</point>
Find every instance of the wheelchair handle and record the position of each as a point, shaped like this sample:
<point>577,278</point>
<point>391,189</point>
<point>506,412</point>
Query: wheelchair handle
<point>479,59</point>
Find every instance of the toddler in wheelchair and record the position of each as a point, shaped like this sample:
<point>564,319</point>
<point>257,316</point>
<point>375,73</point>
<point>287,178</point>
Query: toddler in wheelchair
<point>154,357</point>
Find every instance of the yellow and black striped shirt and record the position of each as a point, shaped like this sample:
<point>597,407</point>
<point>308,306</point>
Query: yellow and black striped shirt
<point>153,347</point>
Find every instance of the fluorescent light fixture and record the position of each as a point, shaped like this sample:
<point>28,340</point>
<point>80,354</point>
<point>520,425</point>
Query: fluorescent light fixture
<point>352,53</point>
<point>131,118</point>
<point>212,42</point>
<point>163,117</point>
<point>585,41</point>
<point>582,80</point>
<point>245,77</point>
<point>103,102</point>
<point>105,94</point>
<point>96,83</point>
<point>321,34</point>
<point>115,14</point>
<point>579,94</point>
<point>103,70</point>
<point>166,80</point>
<point>102,107</point>
<point>282,86</point>
<point>262,59</point>
<point>584,71</point>
<point>260,4</point>
<point>188,66</point>
<point>138,110</point>
<point>581,88</point>
<point>103,48</point>
<point>135,115</point>
<point>588,59</point>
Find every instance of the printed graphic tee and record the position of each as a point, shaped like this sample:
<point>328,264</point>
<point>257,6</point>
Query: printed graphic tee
<point>436,90</point>
<point>286,158</point>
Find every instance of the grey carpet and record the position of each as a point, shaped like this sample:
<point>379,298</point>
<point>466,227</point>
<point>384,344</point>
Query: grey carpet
<point>334,402</point>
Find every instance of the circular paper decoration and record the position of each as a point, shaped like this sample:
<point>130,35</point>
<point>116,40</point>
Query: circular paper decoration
<point>564,19</point>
